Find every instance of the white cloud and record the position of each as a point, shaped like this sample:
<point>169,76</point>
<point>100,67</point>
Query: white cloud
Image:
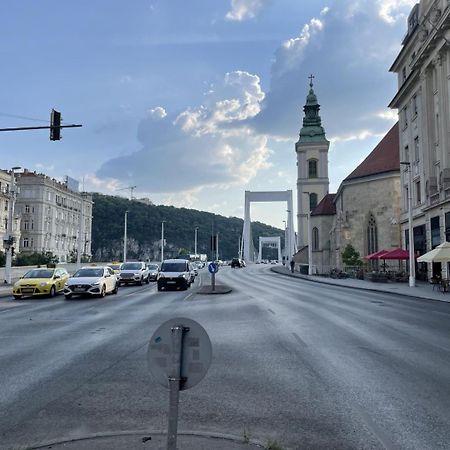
<point>158,113</point>
<point>390,115</point>
<point>244,9</point>
<point>361,135</point>
<point>392,11</point>
<point>202,146</point>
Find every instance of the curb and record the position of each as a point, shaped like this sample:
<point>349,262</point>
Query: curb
<point>220,289</point>
<point>273,269</point>
<point>97,436</point>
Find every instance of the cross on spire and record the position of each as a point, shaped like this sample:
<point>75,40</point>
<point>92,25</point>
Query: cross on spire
<point>311,77</point>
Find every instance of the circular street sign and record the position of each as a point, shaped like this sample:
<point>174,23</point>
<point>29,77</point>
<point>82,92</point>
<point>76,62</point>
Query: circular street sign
<point>213,267</point>
<point>196,352</point>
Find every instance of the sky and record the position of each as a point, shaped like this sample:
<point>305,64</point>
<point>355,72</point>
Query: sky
<point>195,101</point>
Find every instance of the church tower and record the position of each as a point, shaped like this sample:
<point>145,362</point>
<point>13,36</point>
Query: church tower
<point>312,164</point>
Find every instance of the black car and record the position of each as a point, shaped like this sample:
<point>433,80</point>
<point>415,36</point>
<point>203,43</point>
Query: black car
<point>236,262</point>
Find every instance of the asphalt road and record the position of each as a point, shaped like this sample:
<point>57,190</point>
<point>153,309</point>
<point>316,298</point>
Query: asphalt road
<point>310,366</point>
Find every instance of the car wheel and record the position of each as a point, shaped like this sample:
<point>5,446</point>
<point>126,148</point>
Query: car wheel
<point>116,288</point>
<point>68,296</point>
<point>140,282</point>
<point>147,280</point>
<point>120,284</point>
<point>102,291</point>
<point>17,297</point>
<point>52,291</point>
<point>159,287</point>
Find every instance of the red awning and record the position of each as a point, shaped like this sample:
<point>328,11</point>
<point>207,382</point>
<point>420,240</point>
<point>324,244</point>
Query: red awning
<point>397,253</point>
<point>376,255</point>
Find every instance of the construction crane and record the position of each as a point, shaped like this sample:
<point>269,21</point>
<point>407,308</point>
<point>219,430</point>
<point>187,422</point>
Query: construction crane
<point>131,188</point>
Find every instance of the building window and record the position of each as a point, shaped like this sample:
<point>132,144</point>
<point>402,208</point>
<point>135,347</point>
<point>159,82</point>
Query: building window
<point>418,193</point>
<point>414,105</point>
<point>405,117</point>
<point>312,168</point>
<point>435,232</point>
<point>416,149</point>
<point>6,205</point>
<point>404,73</point>
<point>25,242</point>
<point>372,235</point>
<point>27,208</point>
<point>315,239</point>
<point>406,153</point>
<point>26,225</point>
<point>312,201</point>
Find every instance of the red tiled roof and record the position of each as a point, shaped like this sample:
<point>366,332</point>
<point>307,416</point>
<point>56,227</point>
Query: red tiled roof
<point>385,157</point>
<point>326,206</point>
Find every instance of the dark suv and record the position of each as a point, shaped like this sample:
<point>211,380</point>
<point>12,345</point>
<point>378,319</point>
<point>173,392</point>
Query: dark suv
<point>236,262</point>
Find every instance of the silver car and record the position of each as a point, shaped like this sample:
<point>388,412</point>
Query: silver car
<point>94,281</point>
<point>133,272</point>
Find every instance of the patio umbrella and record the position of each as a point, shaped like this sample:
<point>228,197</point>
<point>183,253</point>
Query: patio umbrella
<point>440,254</point>
<point>396,253</point>
<point>376,255</point>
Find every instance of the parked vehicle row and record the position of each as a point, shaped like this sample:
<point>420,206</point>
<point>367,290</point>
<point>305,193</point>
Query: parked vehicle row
<point>101,280</point>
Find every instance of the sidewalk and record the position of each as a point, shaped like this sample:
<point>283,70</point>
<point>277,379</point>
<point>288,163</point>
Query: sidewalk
<point>422,289</point>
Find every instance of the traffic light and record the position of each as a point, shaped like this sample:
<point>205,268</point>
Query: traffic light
<point>55,124</point>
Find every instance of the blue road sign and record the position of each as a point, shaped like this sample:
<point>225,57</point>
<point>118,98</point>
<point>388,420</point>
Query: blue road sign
<point>213,267</point>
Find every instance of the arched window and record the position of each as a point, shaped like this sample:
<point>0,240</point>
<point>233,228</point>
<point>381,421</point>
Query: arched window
<point>372,235</point>
<point>312,168</point>
<point>315,239</point>
<point>312,201</point>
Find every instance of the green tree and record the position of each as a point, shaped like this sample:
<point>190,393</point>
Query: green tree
<point>35,259</point>
<point>350,257</point>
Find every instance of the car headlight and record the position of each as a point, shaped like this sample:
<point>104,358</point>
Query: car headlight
<point>43,284</point>
<point>96,283</point>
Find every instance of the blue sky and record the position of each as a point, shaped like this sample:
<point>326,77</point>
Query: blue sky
<point>195,101</point>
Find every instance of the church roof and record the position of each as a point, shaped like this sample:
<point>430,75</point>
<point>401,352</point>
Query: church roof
<point>326,206</point>
<point>385,157</point>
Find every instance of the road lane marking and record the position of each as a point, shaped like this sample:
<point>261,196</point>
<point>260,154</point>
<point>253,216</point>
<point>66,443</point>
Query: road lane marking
<point>300,340</point>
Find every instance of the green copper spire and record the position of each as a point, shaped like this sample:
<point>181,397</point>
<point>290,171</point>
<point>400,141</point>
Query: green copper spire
<point>312,130</point>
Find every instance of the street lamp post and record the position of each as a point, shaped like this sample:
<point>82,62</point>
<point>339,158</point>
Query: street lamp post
<point>412,262</point>
<point>125,237</point>
<point>162,241</point>
<point>195,241</point>
<point>10,229</point>
<point>285,241</point>
<point>80,245</point>
<point>310,271</point>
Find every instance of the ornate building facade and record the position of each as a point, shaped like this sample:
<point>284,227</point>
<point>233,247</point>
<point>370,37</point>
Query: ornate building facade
<point>423,104</point>
<point>312,165</point>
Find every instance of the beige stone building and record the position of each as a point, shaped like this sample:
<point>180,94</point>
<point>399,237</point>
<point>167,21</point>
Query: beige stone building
<point>5,205</point>
<point>365,212</point>
<point>51,216</point>
<point>423,104</point>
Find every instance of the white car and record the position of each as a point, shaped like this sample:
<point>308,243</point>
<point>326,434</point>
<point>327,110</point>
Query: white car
<point>175,273</point>
<point>95,281</point>
<point>133,272</point>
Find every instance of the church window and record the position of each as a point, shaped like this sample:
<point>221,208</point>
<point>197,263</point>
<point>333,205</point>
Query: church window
<point>312,168</point>
<point>372,235</point>
<point>315,239</point>
<point>312,201</point>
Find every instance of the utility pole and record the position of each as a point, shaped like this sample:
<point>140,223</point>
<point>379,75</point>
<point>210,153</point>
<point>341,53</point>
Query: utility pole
<point>195,241</point>
<point>80,246</point>
<point>10,229</point>
<point>217,246</point>
<point>125,237</point>
<point>162,241</point>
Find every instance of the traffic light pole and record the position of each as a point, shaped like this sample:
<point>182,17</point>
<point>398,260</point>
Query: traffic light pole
<point>39,128</point>
<point>9,229</point>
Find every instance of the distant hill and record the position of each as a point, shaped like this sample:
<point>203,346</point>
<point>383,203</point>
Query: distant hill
<point>144,230</point>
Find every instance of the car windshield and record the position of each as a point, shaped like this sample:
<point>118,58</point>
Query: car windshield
<point>131,266</point>
<point>153,266</point>
<point>173,267</point>
<point>88,273</point>
<point>39,274</point>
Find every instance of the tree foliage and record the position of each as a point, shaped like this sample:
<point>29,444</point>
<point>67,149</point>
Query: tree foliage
<point>144,230</point>
<point>350,257</point>
<point>34,259</point>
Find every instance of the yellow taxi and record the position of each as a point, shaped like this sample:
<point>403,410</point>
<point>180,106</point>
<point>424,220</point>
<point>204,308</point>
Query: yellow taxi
<point>38,282</point>
<point>115,266</point>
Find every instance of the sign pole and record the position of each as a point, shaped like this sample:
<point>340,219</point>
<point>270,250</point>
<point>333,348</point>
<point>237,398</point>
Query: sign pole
<point>213,281</point>
<point>174,386</point>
